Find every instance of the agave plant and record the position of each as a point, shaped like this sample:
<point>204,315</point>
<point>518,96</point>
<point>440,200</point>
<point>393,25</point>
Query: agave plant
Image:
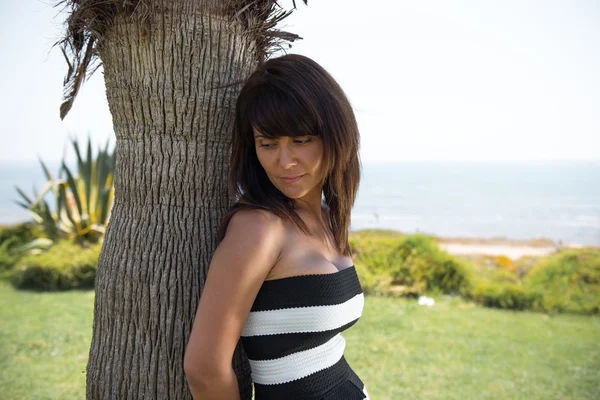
<point>39,209</point>
<point>83,201</point>
<point>90,194</point>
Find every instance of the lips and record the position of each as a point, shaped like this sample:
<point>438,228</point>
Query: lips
<point>291,179</point>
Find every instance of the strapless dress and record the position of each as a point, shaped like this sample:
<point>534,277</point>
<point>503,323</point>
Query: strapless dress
<point>293,340</point>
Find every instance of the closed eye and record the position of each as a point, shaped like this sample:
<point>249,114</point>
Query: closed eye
<point>299,142</point>
<point>302,142</point>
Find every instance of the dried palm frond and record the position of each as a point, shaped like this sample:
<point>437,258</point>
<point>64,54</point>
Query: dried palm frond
<point>76,75</point>
<point>89,20</point>
<point>86,24</point>
<point>260,18</point>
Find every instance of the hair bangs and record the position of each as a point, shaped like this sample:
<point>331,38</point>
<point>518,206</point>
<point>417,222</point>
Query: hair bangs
<point>276,112</point>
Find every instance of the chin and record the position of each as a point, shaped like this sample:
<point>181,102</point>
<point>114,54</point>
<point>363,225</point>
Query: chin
<point>294,194</point>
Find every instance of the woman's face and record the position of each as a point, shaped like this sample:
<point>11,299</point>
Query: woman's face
<point>299,158</point>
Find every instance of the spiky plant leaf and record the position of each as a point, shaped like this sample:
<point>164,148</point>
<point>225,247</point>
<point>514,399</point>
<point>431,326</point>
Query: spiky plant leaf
<point>67,208</point>
<point>23,195</point>
<point>87,176</point>
<point>39,243</point>
<point>36,217</point>
<point>47,187</point>
<point>74,188</point>
<point>23,205</point>
<point>49,224</point>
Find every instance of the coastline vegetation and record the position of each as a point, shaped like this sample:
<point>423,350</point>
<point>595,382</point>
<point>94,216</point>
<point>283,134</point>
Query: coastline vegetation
<point>454,350</point>
<point>395,265</point>
<point>389,264</point>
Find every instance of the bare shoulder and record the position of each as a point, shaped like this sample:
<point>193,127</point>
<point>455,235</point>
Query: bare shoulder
<point>254,239</point>
<point>254,230</point>
<point>250,248</point>
<point>261,221</point>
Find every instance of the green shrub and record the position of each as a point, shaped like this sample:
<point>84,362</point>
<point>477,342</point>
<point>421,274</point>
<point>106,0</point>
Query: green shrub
<point>13,237</point>
<point>419,264</point>
<point>568,280</point>
<point>66,265</point>
<point>504,294</point>
<point>524,264</point>
<point>24,232</point>
<point>394,264</point>
<point>370,252</point>
<point>503,276</point>
<point>372,247</point>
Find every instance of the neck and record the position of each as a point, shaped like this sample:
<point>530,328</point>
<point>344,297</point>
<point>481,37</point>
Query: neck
<point>317,217</point>
<point>311,203</point>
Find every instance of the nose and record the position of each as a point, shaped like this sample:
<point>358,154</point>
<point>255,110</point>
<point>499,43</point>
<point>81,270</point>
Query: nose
<point>286,158</point>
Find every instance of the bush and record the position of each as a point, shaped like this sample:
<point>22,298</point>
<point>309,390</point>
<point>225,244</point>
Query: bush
<point>395,264</point>
<point>524,264</point>
<point>23,233</point>
<point>568,280</point>
<point>504,294</point>
<point>12,237</point>
<point>419,264</point>
<point>65,265</point>
<point>503,276</point>
<point>370,252</point>
<point>372,247</point>
<point>505,263</point>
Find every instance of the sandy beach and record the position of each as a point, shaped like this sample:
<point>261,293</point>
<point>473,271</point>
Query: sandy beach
<point>513,249</point>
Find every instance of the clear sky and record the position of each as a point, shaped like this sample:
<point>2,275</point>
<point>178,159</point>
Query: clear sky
<point>429,80</point>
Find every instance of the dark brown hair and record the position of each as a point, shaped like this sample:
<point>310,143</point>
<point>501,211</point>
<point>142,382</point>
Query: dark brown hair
<point>294,96</point>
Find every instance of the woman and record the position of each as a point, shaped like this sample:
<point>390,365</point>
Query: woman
<point>282,277</point>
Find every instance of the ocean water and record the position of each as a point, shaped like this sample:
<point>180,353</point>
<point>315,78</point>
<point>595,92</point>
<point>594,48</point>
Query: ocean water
<point>517,200</point>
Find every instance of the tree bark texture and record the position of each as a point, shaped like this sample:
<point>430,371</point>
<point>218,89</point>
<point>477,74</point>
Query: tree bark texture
<point>172,124</point>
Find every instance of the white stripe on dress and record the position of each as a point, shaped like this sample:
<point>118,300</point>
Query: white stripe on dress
<point>303,319</point>
<point>298,365</point>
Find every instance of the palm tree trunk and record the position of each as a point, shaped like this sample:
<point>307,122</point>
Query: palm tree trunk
<point>171,125</point>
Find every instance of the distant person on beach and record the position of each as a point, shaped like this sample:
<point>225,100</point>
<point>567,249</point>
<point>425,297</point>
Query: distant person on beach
<point>282,278</point>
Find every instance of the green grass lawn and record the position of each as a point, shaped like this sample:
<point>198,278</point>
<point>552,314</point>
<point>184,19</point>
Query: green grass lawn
<point>44,343</point>
<point>401,350</point>
<point>456,350</point>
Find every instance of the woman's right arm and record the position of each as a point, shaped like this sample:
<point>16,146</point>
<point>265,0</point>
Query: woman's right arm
<point>240,264</point>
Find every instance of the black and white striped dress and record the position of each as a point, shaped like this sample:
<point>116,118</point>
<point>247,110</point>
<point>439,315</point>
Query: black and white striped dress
<point>293,341</point>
